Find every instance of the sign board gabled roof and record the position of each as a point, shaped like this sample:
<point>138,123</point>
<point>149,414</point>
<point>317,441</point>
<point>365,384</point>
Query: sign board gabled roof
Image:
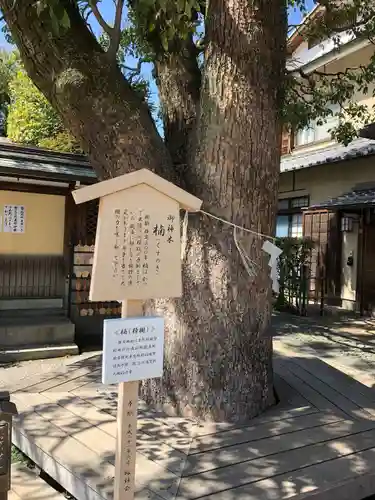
<point>126,181</point>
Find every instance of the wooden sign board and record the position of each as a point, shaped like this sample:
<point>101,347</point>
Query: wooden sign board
<point>133,349</point>
<point>137,249</point>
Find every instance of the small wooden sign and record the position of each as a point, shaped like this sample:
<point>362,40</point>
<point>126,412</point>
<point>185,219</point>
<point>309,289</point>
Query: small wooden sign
<point>133,349</point>
<point>137,248</point>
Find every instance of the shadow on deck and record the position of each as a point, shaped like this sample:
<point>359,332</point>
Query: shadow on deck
<point>319,442</point>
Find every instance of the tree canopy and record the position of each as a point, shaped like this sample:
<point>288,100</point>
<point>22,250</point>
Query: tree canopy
<point>31,118</point>
<point>151,32</point>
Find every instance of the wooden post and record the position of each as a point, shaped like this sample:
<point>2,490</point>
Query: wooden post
<point>127,408</point>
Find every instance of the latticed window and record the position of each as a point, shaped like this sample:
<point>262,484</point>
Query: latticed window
<point>92,218</point>
<point>86,218</point>
<point>289,218</point>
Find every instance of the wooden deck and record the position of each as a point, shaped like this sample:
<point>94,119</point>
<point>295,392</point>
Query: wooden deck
<point>319,442</point>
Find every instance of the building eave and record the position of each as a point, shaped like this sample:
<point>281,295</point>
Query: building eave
<point>335,153</point>
<point>34,163</point>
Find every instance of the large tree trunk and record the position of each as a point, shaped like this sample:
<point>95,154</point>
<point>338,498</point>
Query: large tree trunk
<point>218,360</point>
<point>179,81</point>
<point>218,348</point>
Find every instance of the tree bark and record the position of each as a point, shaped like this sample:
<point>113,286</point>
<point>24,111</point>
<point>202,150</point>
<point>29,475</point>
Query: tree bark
<point>179,81</point>
<point>218,348</point>
<point>218,361</point>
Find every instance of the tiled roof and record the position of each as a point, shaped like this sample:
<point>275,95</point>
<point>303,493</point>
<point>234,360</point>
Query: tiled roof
<point>356,198</point>
<point>38,163</point>
<point>330,154</point>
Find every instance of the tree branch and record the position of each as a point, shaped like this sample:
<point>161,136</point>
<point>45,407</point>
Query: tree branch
<point>94,8</point>
<point>134,71</point>
<point>115,36</point>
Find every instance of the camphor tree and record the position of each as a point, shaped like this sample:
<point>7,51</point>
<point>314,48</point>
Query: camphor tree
<point>223,89</point>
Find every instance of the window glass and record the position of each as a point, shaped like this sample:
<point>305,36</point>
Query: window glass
<point>300,202</point>
<point>296,230</point>
<point>315,132</point>
<point>282,226</point>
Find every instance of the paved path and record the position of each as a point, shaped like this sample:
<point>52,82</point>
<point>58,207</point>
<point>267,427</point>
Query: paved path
<point>346,344</point>
<point>11,374</point>
<point>27,485</point>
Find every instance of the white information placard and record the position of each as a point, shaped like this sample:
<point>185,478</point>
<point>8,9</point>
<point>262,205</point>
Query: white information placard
<point>14,219</point>
<point>133,349</point>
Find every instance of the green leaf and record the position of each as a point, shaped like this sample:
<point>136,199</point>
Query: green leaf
<point>65,21</point>
<point>163,5</point>
<point>164,41</point>
<point>181,5</point>
<point>54,22</point>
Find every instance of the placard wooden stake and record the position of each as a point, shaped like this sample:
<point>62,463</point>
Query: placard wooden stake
<point>127,408</point>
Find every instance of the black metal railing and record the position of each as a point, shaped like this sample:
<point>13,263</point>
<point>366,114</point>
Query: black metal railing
<point>31,276</point>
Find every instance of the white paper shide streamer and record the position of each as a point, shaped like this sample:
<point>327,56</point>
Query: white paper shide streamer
<point>274,253</point>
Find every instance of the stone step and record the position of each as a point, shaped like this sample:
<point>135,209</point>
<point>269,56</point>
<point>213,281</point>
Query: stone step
<point>22,315</point>
<point>35,331</point>
<point>10,355</point>
<point>27,485</point>
<point>18,304</point>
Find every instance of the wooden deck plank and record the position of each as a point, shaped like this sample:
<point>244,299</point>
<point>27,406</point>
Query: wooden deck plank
<point>95,469</point>
<point>176,439</point>
<point>358,393</point>
<point>60,379</point>
<point>101,438</point>
<point>69,411</point>
<point>286,393</point>
<point>339,480</point>
<point>251,433</point>
<point>231,455</point>
<point>314,397</point>
<point>326,390</point>
<point>274,414</point>
<point>70,480</point>
<point>236,475</point>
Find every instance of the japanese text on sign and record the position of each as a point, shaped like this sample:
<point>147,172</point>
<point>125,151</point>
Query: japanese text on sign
<point>132,349</point>
<point>130,445</point>
<point>132,263</point>
<point>14,219</point>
